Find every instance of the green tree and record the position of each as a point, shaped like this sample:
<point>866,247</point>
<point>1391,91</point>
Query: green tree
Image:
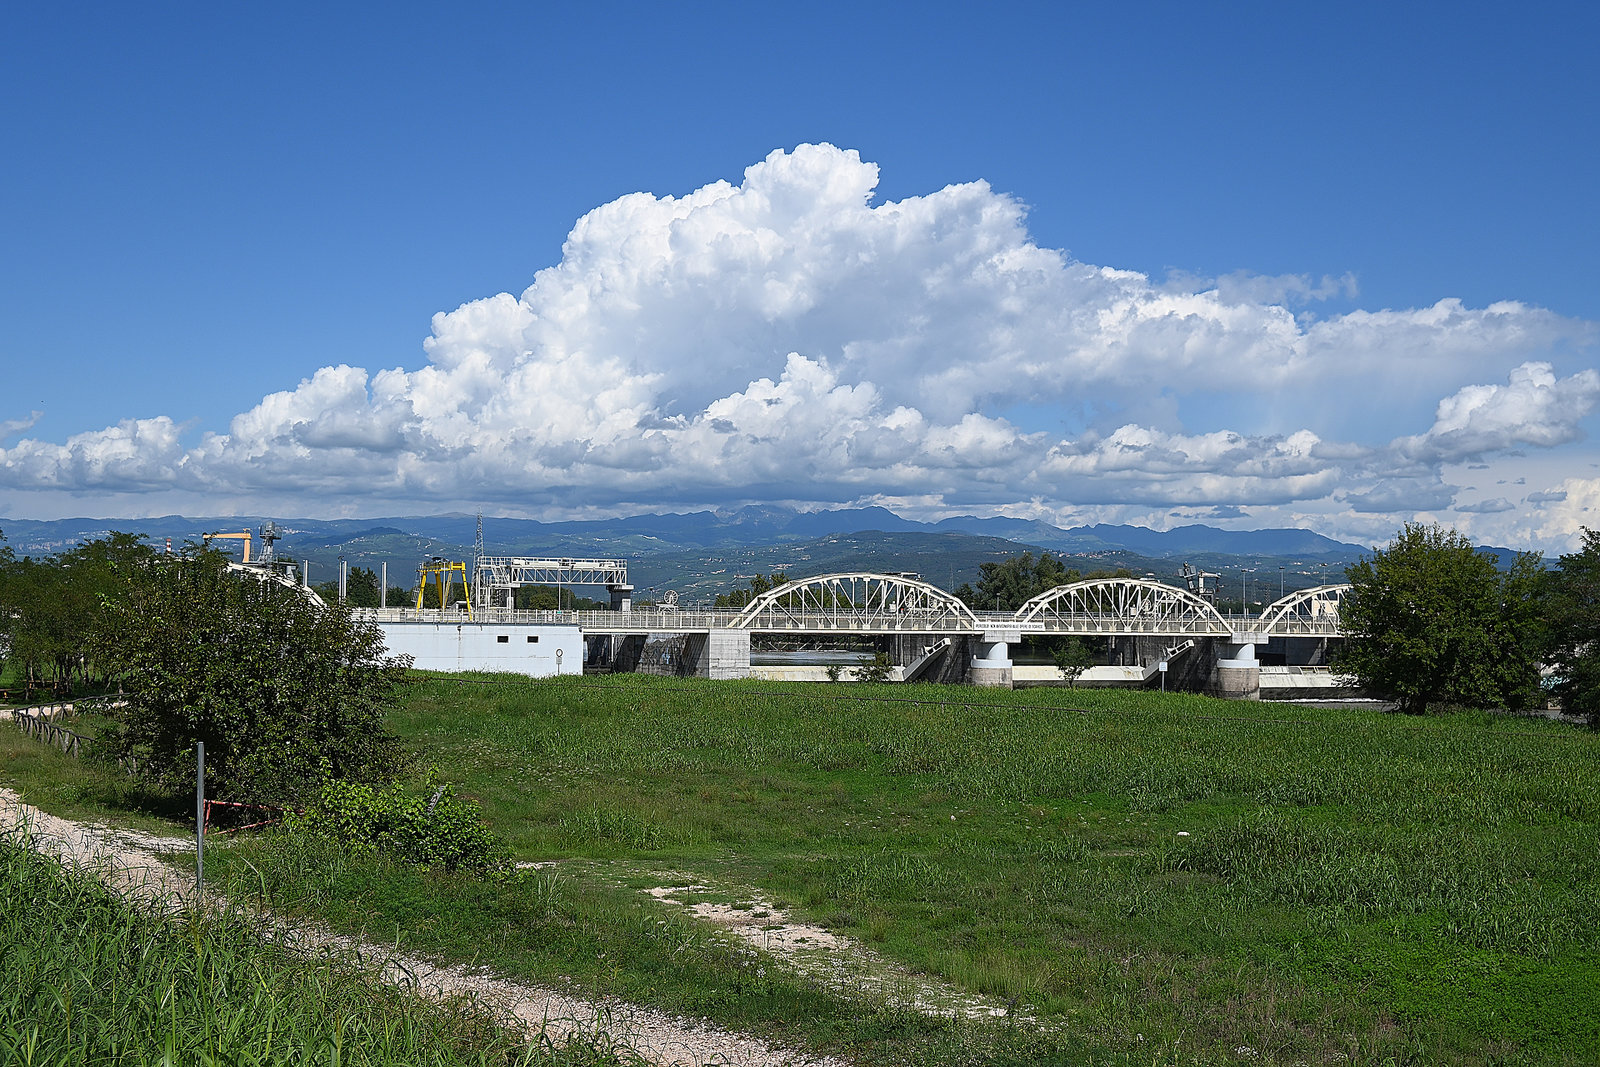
<point>761,583</point>
<point>283,692</point>
<point>1072,660</point>
<point>49,608</point>
<point>8,563</point>
<point>1574,613</point>
<point>360,590</point>
<point>1011,583</point>
<point>1430,620</point>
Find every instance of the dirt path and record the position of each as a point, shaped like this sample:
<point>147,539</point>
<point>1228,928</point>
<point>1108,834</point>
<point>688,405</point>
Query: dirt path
<point>827,957</point>
<point>129,861</point>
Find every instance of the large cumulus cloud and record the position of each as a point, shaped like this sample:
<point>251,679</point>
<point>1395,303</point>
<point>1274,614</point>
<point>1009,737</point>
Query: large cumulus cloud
<point>788,338</point>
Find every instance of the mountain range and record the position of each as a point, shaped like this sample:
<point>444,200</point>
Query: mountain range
<point>704,552</point>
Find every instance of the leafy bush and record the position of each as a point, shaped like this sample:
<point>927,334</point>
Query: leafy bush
<point>1073,660</point>
<point>433,829</point>
<point>875,670</point>
<point>274,684</point>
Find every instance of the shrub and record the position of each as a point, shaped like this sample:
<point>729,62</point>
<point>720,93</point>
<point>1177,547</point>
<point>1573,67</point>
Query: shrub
<point>875,670</point>
<point>273,684</point>
<point>433,829</point>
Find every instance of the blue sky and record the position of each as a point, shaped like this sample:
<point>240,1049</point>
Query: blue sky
<point>1218,229</point>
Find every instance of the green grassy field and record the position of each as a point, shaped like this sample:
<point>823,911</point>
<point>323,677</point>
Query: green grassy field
<point>1153,878</point>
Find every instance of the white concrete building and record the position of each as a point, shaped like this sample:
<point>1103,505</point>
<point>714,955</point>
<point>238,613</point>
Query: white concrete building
<point>535,649</point>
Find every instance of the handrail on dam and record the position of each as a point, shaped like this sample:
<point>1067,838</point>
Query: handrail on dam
<point>1103,607</point>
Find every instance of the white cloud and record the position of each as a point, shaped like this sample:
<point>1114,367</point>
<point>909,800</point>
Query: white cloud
<point>1486,507</point>
<point>134,454</point>
<point>1243,287</point>
<point>9,428</point>
<point>1532,408</point>
<point>787,338</point>
<point>1561,522</point>
<point>1407,499</point>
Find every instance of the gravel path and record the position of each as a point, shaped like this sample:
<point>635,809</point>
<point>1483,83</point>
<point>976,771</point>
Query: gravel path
<point>129,861</point>
<point>830,958</point>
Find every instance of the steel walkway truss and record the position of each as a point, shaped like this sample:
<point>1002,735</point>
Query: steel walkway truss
<point>867,603</point>
<point>861,602</point>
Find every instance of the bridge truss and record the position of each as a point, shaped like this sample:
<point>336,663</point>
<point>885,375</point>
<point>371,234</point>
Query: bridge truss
<point>1309,612</point>
<point>868,603</point>
<point>496,578</point>
<point>1122,606</point>
<point>859,602</point>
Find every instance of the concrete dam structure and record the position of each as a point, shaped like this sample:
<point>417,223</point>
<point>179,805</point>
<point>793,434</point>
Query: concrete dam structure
<point>1154,632</point>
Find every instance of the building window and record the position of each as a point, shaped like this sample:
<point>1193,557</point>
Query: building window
<point>503,638</point>
<point>533,639</point>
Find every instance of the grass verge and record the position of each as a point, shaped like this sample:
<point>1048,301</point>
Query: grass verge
<point>86,978</point>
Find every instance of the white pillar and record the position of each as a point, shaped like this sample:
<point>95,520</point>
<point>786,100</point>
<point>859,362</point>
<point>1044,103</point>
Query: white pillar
<point>1238,674</point>
<point>991,662</point>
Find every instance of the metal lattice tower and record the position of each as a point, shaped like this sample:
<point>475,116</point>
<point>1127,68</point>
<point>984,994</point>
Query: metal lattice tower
<point>477,564</point>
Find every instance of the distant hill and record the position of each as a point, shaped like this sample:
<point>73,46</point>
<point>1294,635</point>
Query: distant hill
<point>703,552</point>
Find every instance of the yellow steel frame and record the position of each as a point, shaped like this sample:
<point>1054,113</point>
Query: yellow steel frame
<point>245,537</point>
<point>444,577</point>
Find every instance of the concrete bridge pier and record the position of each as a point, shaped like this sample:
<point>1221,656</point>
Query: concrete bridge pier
<point>991,660</point>
<point>1238,672</point>
<point>717,654</point>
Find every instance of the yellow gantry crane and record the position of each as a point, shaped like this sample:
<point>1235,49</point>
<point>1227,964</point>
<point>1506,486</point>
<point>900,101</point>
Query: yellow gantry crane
<point>245,537</point>
<point>444,577</point>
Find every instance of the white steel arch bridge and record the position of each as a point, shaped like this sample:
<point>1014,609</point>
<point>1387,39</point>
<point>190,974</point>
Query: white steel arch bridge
<point>867,603</point>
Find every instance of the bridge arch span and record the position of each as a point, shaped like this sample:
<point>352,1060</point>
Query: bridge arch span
<point>1310,612</point>
<point>1121,606</point>
<point>859,601</point>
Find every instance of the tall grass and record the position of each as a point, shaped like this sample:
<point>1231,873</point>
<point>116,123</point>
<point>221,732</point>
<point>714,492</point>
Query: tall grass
<point>86,978</point>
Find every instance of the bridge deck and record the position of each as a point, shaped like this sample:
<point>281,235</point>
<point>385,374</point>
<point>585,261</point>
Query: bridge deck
<point>1003,624</point>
